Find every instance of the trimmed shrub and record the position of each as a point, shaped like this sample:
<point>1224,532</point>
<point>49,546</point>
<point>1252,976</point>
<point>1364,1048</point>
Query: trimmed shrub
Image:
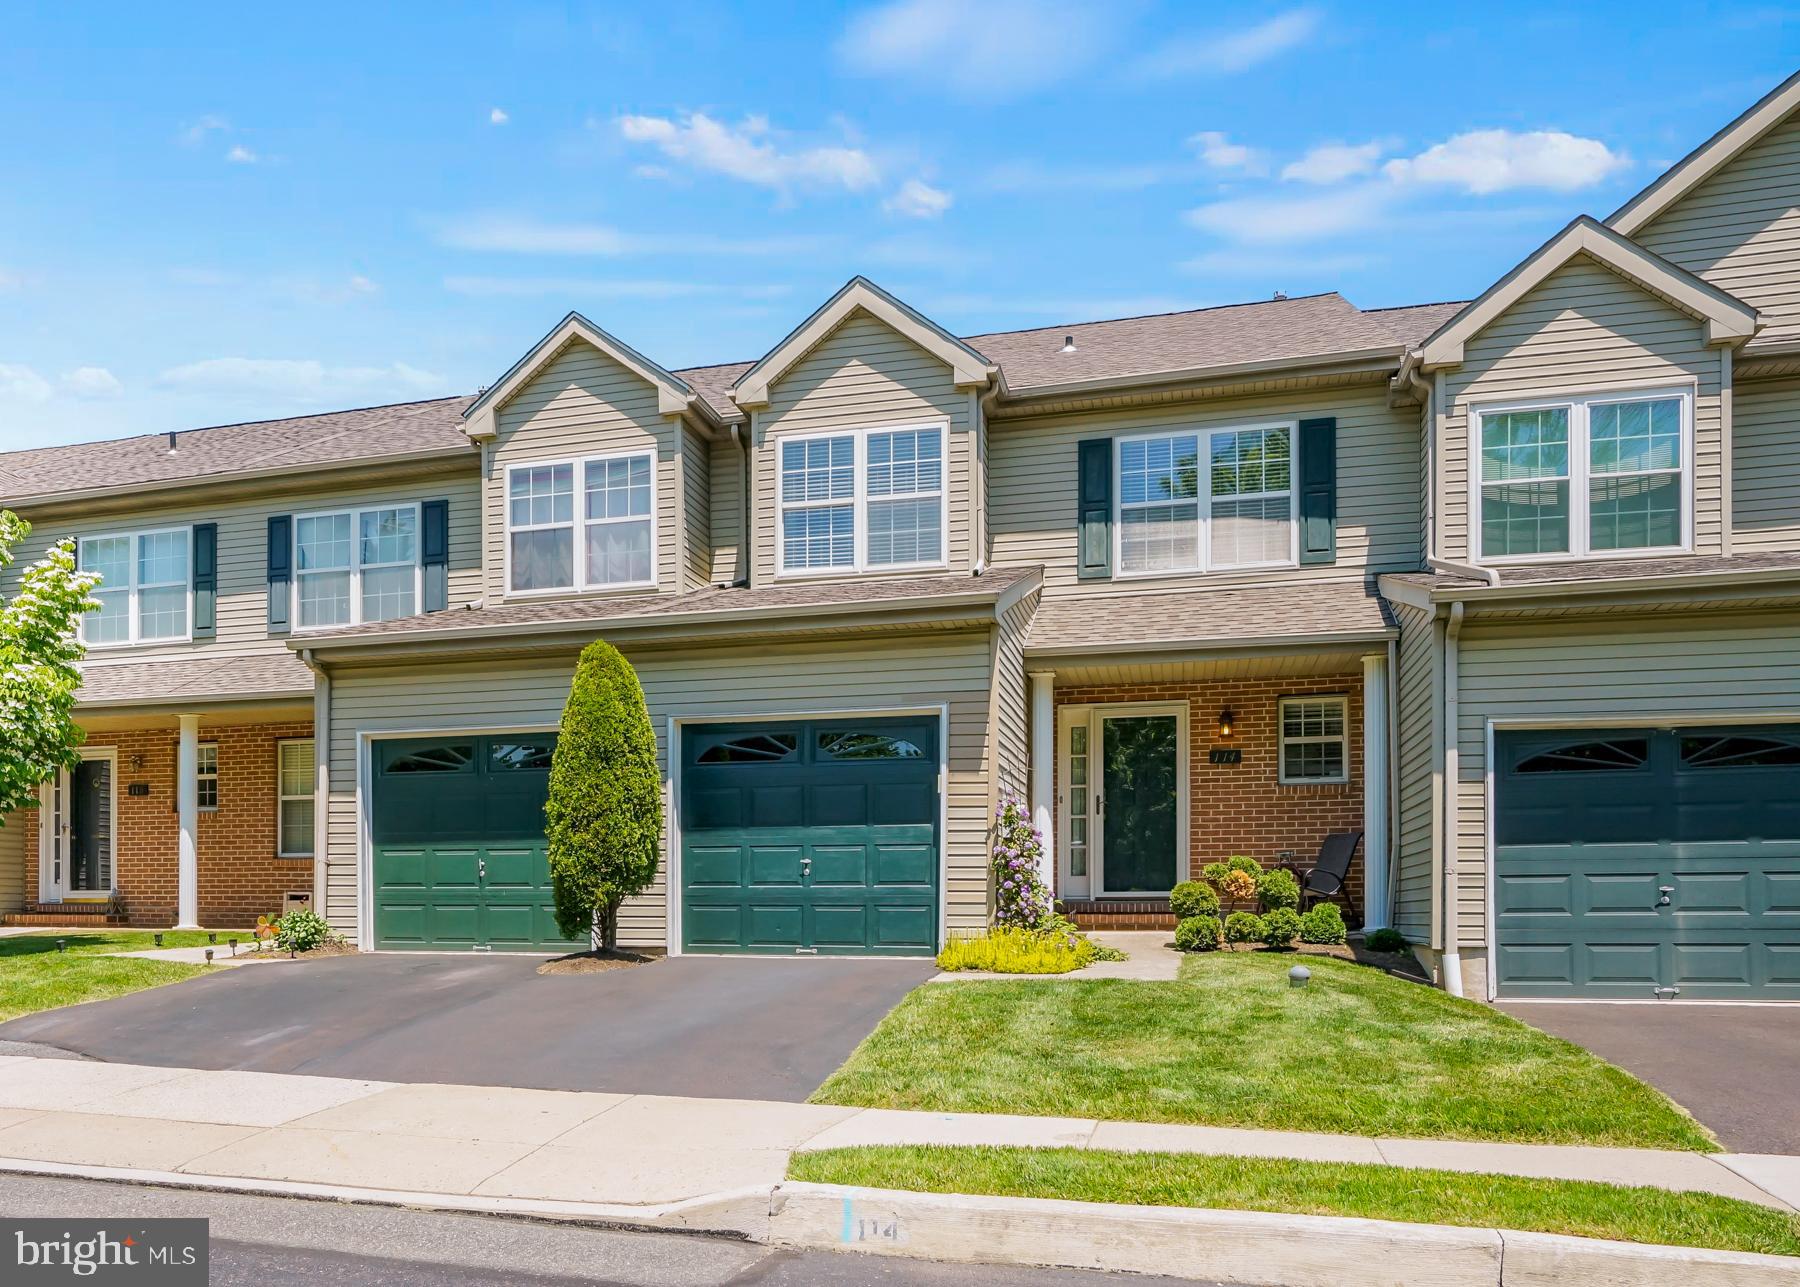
<point>1277,888</point>
<point>1386,940</point>
<point>604,817</point>
<point>301,930</point>
<point>1193,898</point>
<point>1197,934</point>
<point>1323,924</point>
<point>1281,927</point>
<point>1243,927</point>
<point>1238,886</point>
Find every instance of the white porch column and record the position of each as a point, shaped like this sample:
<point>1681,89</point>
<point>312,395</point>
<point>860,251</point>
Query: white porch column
<point>1375,791</point>
<point>187,813</point>
<point>1043,768</point>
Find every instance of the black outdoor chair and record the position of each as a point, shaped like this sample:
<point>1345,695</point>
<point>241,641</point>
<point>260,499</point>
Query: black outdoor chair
<point>1324,880</point>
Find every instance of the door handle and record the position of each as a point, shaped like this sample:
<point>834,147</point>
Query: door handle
<point>1665,891</point>
<point>481,869</point>
<point>805,868</point>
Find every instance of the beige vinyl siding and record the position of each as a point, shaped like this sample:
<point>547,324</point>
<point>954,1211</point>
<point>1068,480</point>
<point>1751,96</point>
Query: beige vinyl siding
<point>1740,230</point>
<point>727,511</point>
<point>12,862</point>
<point>1011,720</point>
<point>862,375</point>
<point>1032,485</point>
<point>1676,669</point>
<point>1416,755</point>
<point>584,404</point>
<point>243,597</point>
<point>1765,467</point>
<point>727,683</point>
<point>1584,329</point>
<point>696,506</point>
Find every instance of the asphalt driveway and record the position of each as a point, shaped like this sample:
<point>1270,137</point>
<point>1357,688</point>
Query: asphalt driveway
<point>1735,1067</point>
<point>737,1027</point>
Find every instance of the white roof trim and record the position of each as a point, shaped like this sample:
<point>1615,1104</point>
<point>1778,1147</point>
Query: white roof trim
<point>1728,320</point>
<point>673,394</point>
<point>970,368</point>
<point>1708,159</point>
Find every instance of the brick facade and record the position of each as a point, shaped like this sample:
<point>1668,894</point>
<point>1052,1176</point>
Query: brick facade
<point>1243,808</point>
<point>240,876</point>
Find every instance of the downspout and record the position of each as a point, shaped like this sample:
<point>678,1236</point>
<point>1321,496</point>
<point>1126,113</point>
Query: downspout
<point>744,524</point>
<point>321,774</point>
<point>1393,776</point>
<point>1452,959</point>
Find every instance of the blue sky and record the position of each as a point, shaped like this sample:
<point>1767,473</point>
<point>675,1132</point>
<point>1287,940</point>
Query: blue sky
<point>225,213</point>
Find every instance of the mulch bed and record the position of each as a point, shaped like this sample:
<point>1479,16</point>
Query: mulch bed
<point>594,962</point>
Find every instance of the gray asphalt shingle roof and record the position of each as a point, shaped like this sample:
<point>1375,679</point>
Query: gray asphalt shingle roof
<point>1587,572</point>
<point>193,679</point>
<point>1175,618</point>
<point>1267,331</point>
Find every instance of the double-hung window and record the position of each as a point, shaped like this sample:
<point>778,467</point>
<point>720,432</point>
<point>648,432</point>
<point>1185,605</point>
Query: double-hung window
<point>356,566</point>
<point>1584,476</point>
<point>1314,739</point>
<point>865,500</point>
<point>613,509</point>
<point>144,586</point>
<point>206,779</point>
<point>295,775</point>
<point>1204,500</point>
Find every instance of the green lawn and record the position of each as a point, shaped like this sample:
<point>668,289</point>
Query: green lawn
<point>1315,1188</point>
<point>1231,1044</point>
<point>35,976</point>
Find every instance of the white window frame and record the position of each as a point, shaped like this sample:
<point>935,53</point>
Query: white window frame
<point>133,639</point>
<point>356,564</point>
<point>1578,406</point>
<point>1204,499</point>
<point>280,799</point>
<point>201,775</point>
<point>1283,741</point>
<point>578,524</point>
<point>859,500</point>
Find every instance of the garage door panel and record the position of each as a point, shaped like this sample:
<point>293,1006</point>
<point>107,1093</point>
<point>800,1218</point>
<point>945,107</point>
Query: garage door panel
<point>905,865</point>
<point>716,809</point>
<point>777,806</point>
<point>713,925</point>
<point>517,868</point>
<point>710,865</point>
<point>774,865</point>
<point>904,926</point>
<point>840,925</point>
<point>452,925</point>
<point>401,869</point>
<point>774,925</point>
<point>1620,816</point>
<point>840,865</point>
<point>509,924</point>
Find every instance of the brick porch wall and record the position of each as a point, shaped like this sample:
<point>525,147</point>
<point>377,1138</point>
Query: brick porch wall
<point>1243,808</point>
<point>240,877</point>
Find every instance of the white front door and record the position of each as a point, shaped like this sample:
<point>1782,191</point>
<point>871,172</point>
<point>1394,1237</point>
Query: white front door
<point>76,844</point>
<point>1123,799</point>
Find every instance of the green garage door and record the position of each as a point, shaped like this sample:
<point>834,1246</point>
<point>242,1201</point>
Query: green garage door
<point>810,836</point>
<point>457,829</point>
<point>1633,861</point>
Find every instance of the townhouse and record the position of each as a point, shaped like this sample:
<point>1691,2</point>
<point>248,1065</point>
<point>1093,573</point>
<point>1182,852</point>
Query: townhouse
<point>1511,586</point>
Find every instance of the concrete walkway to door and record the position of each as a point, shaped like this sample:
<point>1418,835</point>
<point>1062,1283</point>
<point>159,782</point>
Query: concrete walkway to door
<point>505,1144</point>
<point>714,1027</point>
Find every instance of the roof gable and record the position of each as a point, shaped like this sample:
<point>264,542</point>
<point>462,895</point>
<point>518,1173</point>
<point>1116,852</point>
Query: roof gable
<point>968,367</point>
<point>674,394</point>
<point>1727,320</point>
<point>1707,159</point>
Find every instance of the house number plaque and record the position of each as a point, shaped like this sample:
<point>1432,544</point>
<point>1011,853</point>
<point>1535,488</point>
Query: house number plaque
<point>1226,755</point>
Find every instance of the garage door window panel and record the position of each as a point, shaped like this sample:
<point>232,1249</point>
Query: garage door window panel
<point>1715,751</point>
<point>1589,757</point>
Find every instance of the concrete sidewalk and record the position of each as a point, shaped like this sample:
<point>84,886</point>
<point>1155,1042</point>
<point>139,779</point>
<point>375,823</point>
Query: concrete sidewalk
<point>580,1147</point>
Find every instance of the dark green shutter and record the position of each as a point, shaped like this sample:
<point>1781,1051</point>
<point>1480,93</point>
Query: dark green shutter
<point>1093,538</point>
<point>1318,490</point>
<point>281,571</point>
<point>206,580</point>
<point>434,553</point>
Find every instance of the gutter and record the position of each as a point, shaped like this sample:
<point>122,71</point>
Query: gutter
<point>209,699</point>
<point>1611,585</point>
<point>1470,570</point>
<point>1451,970</point>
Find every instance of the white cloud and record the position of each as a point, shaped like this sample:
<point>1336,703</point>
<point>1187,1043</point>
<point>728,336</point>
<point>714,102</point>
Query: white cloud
<point>524,235</point>
<point>1333,163</point>
<point>1225,53</point>
<point>917,199</point>
<point>498,116</point>
<point>748,153</point>
<point>91,382</point>
<point>299,379</point>
<point>575,288</point>
<point>360,285</point>
<point>19,383</point>
<point>997,49</point>
<point>1279,220</point>
<point>195,134</point>
<point>1220,153</point>
<point>240,155</point>
<point>1486,161</point>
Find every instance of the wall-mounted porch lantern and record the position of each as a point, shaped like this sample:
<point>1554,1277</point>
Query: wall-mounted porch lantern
<point>1227,723</point>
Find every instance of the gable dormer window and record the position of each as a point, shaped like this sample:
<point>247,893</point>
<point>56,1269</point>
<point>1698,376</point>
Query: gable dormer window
<point>864,500</point>
<point>610,546</point>
<point>1602,475</point>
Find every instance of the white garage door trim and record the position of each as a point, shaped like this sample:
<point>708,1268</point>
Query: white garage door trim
<point>1662,719</point>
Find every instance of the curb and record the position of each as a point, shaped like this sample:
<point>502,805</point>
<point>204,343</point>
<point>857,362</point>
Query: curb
<point>1257,1248</point>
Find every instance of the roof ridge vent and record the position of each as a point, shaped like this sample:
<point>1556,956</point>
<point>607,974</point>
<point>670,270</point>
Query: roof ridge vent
<point>1068,344</point>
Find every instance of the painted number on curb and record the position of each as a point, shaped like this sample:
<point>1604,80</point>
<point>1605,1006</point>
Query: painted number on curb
<point>870,1228</point>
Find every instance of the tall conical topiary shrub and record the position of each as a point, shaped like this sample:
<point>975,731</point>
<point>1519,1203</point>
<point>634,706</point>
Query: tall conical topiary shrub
<point>604,818</point>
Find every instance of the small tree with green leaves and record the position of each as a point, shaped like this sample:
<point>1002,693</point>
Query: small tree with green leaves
<point>604,817</point>
<point>39,650</point>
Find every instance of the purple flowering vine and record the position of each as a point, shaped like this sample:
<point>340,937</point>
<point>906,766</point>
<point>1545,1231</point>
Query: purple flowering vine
<point>1021,899</point>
